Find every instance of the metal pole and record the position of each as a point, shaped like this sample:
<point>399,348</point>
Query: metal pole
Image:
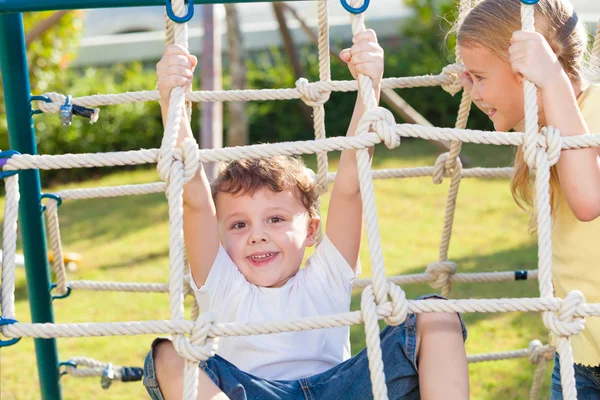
<point>211,113</point>
<point>13,64</point>
<point>14,6</point>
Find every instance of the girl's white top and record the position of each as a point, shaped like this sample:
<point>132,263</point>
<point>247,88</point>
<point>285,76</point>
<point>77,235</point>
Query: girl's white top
<point>323,287</point>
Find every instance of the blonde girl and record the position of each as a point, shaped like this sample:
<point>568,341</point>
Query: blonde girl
<point>497,56</point>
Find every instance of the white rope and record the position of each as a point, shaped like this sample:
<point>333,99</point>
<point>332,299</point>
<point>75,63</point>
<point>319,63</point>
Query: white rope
<point>386,310</point>
<point>365,140</point>
<point>447,77</point>
<point>430,277</point>
<point>9,245</point>
<point>58,262</point>
<point>382,298</point>
<point>596,48</point>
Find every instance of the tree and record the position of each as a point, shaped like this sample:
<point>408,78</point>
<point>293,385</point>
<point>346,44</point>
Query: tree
<point>52,40</point>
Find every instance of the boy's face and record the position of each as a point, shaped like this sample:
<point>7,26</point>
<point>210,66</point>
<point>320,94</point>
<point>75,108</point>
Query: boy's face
<point>265,234</point>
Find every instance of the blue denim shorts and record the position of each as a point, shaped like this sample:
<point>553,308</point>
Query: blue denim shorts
<point>348,380</point>
<point>587,382</point>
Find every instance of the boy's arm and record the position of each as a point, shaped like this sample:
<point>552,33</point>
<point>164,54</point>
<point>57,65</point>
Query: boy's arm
<point>199,213</point>
<point>344,218</point>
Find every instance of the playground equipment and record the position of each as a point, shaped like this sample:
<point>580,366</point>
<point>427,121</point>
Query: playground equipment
<point>382,298</point>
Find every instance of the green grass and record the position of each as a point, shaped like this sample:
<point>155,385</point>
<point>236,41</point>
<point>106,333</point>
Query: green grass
<point>125,239</point>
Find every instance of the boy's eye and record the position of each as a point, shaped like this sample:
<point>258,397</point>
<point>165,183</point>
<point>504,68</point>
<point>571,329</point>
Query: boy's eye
<point>239,225</point>
<point>275,219</point>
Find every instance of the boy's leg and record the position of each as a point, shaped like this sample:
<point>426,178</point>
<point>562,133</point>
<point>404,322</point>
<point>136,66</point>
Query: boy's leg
<point>442,360</point>
<point>169,369</point>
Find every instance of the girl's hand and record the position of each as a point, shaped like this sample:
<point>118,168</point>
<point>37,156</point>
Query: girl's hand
<point>532,57</point>
<point>175,68</point>
<point>365,56</point>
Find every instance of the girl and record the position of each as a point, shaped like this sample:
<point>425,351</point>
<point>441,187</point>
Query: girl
<point>497,56</point>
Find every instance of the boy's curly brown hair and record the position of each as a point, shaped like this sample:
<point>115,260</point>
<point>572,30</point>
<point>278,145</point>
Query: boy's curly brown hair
<point>275,173</point>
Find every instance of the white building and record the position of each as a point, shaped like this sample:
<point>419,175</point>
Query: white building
<point>126,34</point>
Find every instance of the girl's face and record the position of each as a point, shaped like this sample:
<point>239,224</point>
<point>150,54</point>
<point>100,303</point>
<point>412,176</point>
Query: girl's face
<point>497,90</point>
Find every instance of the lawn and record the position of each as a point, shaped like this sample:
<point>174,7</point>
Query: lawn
<point>126,239</point>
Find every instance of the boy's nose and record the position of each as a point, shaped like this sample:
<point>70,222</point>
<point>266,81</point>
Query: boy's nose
<point>258,236</point>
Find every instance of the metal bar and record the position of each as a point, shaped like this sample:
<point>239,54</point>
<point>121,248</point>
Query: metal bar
<point>15,74</point>
<point>14,6</point>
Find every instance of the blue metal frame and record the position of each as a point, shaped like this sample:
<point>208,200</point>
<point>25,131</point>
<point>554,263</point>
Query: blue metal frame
<point>8,321</point>
<point>175,18</point>
<point>353,10</point>
<point>14,6</point>
<point>15,73</point>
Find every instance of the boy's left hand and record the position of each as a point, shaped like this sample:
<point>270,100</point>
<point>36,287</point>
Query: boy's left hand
<point>365,56</point>
<point>531,56</point>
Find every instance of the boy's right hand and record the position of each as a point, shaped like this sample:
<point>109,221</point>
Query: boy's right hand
<point>175,68</point>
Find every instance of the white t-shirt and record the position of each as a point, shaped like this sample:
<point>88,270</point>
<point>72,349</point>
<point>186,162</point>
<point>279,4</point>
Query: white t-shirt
<point>323,287</point>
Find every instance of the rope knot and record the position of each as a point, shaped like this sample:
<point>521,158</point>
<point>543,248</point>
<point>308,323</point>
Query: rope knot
<point>382,121</point>
<point>310,95</point>
<point>394,312</point>
<point>441,273</point>
<point>532,149</point>
<point>445,166</point>
<point>539,352</point>
<point>399,305</point>
<point>553,144</point>
<point>452,72</point>
<point>189,158</point>
<point>565,323</point>
<point>198,347</point>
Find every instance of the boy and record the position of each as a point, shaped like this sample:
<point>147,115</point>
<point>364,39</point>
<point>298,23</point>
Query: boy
<point>265,212</point>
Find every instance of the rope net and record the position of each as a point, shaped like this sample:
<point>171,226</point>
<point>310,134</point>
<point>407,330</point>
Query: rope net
<point>382,298</point>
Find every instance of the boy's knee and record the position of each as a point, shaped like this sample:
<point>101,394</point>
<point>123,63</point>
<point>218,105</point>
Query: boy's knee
<point>438,323</point>
<point>166,359</point>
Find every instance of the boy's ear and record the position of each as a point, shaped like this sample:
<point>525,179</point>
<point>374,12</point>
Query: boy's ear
<point>313,230</point>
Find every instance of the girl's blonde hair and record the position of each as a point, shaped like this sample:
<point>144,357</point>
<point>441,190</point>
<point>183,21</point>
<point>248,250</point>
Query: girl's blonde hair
<point>491,23</point>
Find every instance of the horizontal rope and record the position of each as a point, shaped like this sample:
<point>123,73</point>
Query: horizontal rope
<point>419,172</point>
<point>88,160</point>
<point>331,321</point>
<point>112,191</point>
<point>159,187</point>
<point>479,277</point>
<point>504,355</point>
<point>244,95</point>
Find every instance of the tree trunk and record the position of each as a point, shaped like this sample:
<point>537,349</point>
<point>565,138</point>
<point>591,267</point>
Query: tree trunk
<point>237,133</point>
<point>211,131</point>
<point>44,25</point>
<point>290,50</point>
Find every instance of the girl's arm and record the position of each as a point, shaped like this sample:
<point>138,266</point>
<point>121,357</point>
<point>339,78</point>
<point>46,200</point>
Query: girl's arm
<point>578,170</point>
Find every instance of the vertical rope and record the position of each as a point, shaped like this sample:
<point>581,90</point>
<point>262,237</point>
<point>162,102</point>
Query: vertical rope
<point>530,92</point>
<point>9,245</point>
<point>534,393</point>
<point>172,173</point>
<point>454,166</point>
<point>324,75</point>
<point>319,110</point>
<point>596,48</point>
<point>58,262</point>
<point>544,223</point>
<point>380,286</point>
